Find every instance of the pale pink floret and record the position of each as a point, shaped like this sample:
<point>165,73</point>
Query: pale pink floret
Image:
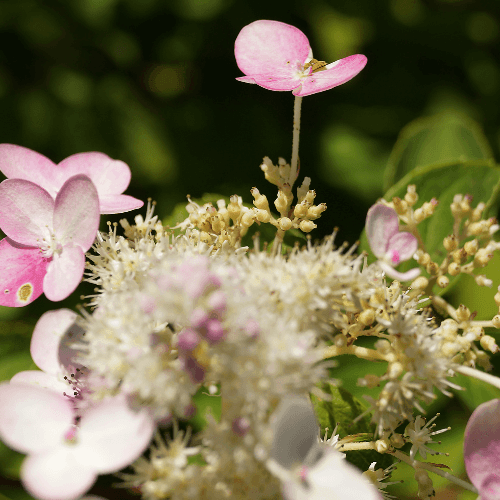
<point>388,244</point>
<point>46,239</point>
<point>111,177</point>
<point>64,460</point>
<point>273,54</point>
<point>53,356</point>
<point>482,449</point>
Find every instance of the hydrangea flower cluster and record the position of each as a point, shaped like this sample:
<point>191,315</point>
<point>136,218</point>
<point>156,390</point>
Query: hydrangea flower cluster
<point>185,310</point>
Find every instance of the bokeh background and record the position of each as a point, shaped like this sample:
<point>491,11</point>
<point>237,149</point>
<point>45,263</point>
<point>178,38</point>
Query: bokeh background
<point>152,82</point>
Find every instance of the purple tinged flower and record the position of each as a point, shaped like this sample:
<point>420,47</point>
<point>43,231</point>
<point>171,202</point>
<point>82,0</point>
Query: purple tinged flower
<point>482,449</point>
<point>64,458</point>
<point>111,177</point>
<point>388,244</point>
<point>277,56</point>
<point>44,251</point>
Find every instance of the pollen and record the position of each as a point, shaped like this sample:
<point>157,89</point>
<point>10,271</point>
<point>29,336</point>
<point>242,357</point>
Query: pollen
<point>25,292</point>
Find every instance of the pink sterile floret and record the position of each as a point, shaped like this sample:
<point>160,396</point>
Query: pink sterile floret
<point>482,449</point>
<point>111,177</point>
<point>276,56</point>
<point>388,244</point>
<point>64,458</point>
<point>46,239</point>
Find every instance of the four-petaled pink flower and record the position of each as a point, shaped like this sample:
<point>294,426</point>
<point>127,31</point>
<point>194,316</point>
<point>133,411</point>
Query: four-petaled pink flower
<point>277,56</point>
<point>68,450</point>
<point>46,239</point>
<point>482,449</point>
<point>388,244</point>
<point>111,177</point>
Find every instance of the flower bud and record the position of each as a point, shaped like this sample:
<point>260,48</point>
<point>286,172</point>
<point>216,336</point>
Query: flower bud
<point>315,211</point>
<point>496,321</point>
<point>367,317</point>
<point>300,210</point>
<point>454,269</point>
<point>450,243</point>
<point>487,342</point>
<point>284,223</point>
<point>411,197</point>
<point>471,247</point>
<point>307,226</point>
<point>420,283</point>
<point>463,313</point>
<point>443,281</point>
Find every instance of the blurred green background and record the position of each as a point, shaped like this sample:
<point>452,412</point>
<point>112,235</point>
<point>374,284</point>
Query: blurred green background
<point>152,82</point>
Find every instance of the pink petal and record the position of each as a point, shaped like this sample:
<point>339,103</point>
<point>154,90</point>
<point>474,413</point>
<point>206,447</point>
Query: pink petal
<point>32,419</point>
<point>339,72</point>
<point>56,474</point>
<point>26,211</point>
<point>270,48</point>
<point>42,380</point>
<point>381,225</point>
<point>64,273</point>
<point>482,449</point>
<point>76,213</point>
<point>47,336</point>
<point>118,203</point>
<point>17,162</point>
<point>22,270</point>
<point>108,175</point>
<point>101,435</point>
<point>396,275</point>
<point>405,244</point>
<point>281,84</point>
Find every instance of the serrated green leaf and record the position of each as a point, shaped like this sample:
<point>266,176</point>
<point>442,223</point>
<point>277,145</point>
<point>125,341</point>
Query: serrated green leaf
<point>436,139</point>
<point>342,410</point>
<point>479,178</point>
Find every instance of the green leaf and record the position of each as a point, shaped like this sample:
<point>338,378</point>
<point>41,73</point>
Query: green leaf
<point>476,392</point>
<point>479,178</point>
<point>440,138</point>
<point>341,411</point>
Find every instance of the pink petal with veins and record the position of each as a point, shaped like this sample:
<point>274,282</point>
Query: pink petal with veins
<point>22,270</point>
<point>47,336</point>
<point>101,435</point>
<point>26,211</point>
<point>108,175</point>
<point>405,244</point>
<point>57,475</point>
<point>271,48</point>
<point>280,84</point>
<point>482,449</point>
<point>76,213</point>
<point>381,225</point>
<point>64,273</point>
<point>116,204</point>
<point>32,419</point>
<point>42,380</point>
<point>17,162</point>
<point>340,71</point>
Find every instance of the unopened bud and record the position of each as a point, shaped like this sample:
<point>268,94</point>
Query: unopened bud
<point>432,268</point>
<point>367,317</point>
<point>423,258</point>
<point>315,211</point>
<point>443,281</point>
<point>260,200</point>
<point>284,223</point>
<point>397,440</point>
<point>411,197</point>
<point>247,219</point>
<point>419,215</point>
<point>487,342</point>
<point>281,202</point>
<point>454,269</point>
<point>307,226</point>
<point>463,313</point>
<point>263,216</point>
<point>482,280</point>
<point>496,321</point>
<point>400,205</point>
<point>300,210</point>
<point>471,247</point>
<point>450,243</point>
<point>382,445</point>
<point>420,283</point>
<point>483,256</point>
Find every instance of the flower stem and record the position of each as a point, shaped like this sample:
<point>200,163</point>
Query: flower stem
<point>485,377</point>
<point>295,142</point>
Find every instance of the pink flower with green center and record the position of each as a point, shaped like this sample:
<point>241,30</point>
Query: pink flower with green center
<point>44,251</point>
<point>277,56</point>
<point>111,177</point>
<point>482,449</point>
<point>390,245</point>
